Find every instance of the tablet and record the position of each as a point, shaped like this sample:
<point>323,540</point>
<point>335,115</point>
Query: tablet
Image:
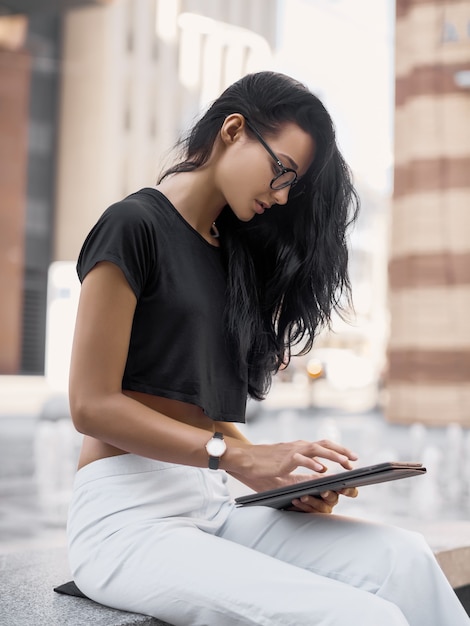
<point>371,474</point>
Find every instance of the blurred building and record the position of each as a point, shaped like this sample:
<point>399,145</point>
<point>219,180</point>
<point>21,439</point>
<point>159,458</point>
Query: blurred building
<point>92,96</point>
<point>30,42</point>
<point>15,72</point>
<point>137,72</point>
<point>429,350</point>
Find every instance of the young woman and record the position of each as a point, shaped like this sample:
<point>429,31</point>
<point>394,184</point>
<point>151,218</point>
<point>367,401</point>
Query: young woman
<point>193,295</point>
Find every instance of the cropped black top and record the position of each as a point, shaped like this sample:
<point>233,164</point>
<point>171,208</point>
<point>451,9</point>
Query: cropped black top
<point>177,347</point>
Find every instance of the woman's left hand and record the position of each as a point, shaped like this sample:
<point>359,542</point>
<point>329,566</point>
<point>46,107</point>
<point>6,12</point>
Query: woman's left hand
<point>322,504</point>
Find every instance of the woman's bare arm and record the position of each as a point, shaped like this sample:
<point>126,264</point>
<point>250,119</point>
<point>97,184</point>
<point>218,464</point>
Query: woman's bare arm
<point>98,406</point>
<point>100,409</point>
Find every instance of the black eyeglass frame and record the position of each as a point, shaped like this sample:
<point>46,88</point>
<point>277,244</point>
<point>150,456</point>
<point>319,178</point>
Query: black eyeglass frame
<point>282,168</point>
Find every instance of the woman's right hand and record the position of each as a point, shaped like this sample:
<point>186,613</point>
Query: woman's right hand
<point>267,466</point>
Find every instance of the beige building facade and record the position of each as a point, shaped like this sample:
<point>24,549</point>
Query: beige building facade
<point>429,270</point>
<point>136,74</point>
<point>93,94</point>
<point>15,75</point>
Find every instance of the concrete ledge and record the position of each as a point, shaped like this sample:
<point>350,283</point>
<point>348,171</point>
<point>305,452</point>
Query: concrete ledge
<point>27,580</point>
<point>455,563</point>
<point>27,598</point>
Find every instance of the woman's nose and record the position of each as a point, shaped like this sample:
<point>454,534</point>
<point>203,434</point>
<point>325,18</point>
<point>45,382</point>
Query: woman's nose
<point>281,195</point>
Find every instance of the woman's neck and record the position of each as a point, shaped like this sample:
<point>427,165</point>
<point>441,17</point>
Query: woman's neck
<point>194,196</point>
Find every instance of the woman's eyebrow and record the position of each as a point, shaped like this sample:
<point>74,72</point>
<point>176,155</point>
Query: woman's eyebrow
<point>292,163</point>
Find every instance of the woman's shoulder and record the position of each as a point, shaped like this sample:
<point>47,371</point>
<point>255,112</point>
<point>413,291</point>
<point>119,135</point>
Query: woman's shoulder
<point>131,234</point>
<point>146,205</point>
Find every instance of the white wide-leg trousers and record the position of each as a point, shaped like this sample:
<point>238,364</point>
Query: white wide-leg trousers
<point>166,540</point>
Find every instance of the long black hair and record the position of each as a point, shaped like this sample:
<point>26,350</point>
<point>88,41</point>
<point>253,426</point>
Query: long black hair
<point>287,270</point>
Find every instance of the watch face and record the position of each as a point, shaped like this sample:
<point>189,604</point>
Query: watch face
<point>216,447</point>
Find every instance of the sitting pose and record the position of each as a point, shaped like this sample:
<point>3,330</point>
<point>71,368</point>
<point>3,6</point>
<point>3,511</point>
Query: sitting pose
<point>194,294</point>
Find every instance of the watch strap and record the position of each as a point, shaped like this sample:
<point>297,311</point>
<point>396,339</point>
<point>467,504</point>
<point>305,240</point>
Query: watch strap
<point>214,462</point>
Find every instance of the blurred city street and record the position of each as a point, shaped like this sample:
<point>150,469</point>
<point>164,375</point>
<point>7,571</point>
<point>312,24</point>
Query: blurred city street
<point>402,138</point>
<point>95,97</point>
<point>39,447</point>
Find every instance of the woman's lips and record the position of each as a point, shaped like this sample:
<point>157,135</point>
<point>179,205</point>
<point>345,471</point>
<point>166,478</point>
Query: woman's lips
<point>259,207</point>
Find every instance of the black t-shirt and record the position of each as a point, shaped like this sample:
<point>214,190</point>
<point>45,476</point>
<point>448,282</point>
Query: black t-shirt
<point>177,347</point>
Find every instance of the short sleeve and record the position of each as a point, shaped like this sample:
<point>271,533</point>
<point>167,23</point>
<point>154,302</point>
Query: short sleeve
<point>124,235</point>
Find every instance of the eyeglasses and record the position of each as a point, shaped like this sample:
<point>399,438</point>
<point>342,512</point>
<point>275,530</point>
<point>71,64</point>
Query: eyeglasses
<point>287,177</point>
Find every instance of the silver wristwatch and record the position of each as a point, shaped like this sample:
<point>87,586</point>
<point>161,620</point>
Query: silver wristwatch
<point>215,447</point>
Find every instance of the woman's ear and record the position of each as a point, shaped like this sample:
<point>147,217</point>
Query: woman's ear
<point>233,128</point>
